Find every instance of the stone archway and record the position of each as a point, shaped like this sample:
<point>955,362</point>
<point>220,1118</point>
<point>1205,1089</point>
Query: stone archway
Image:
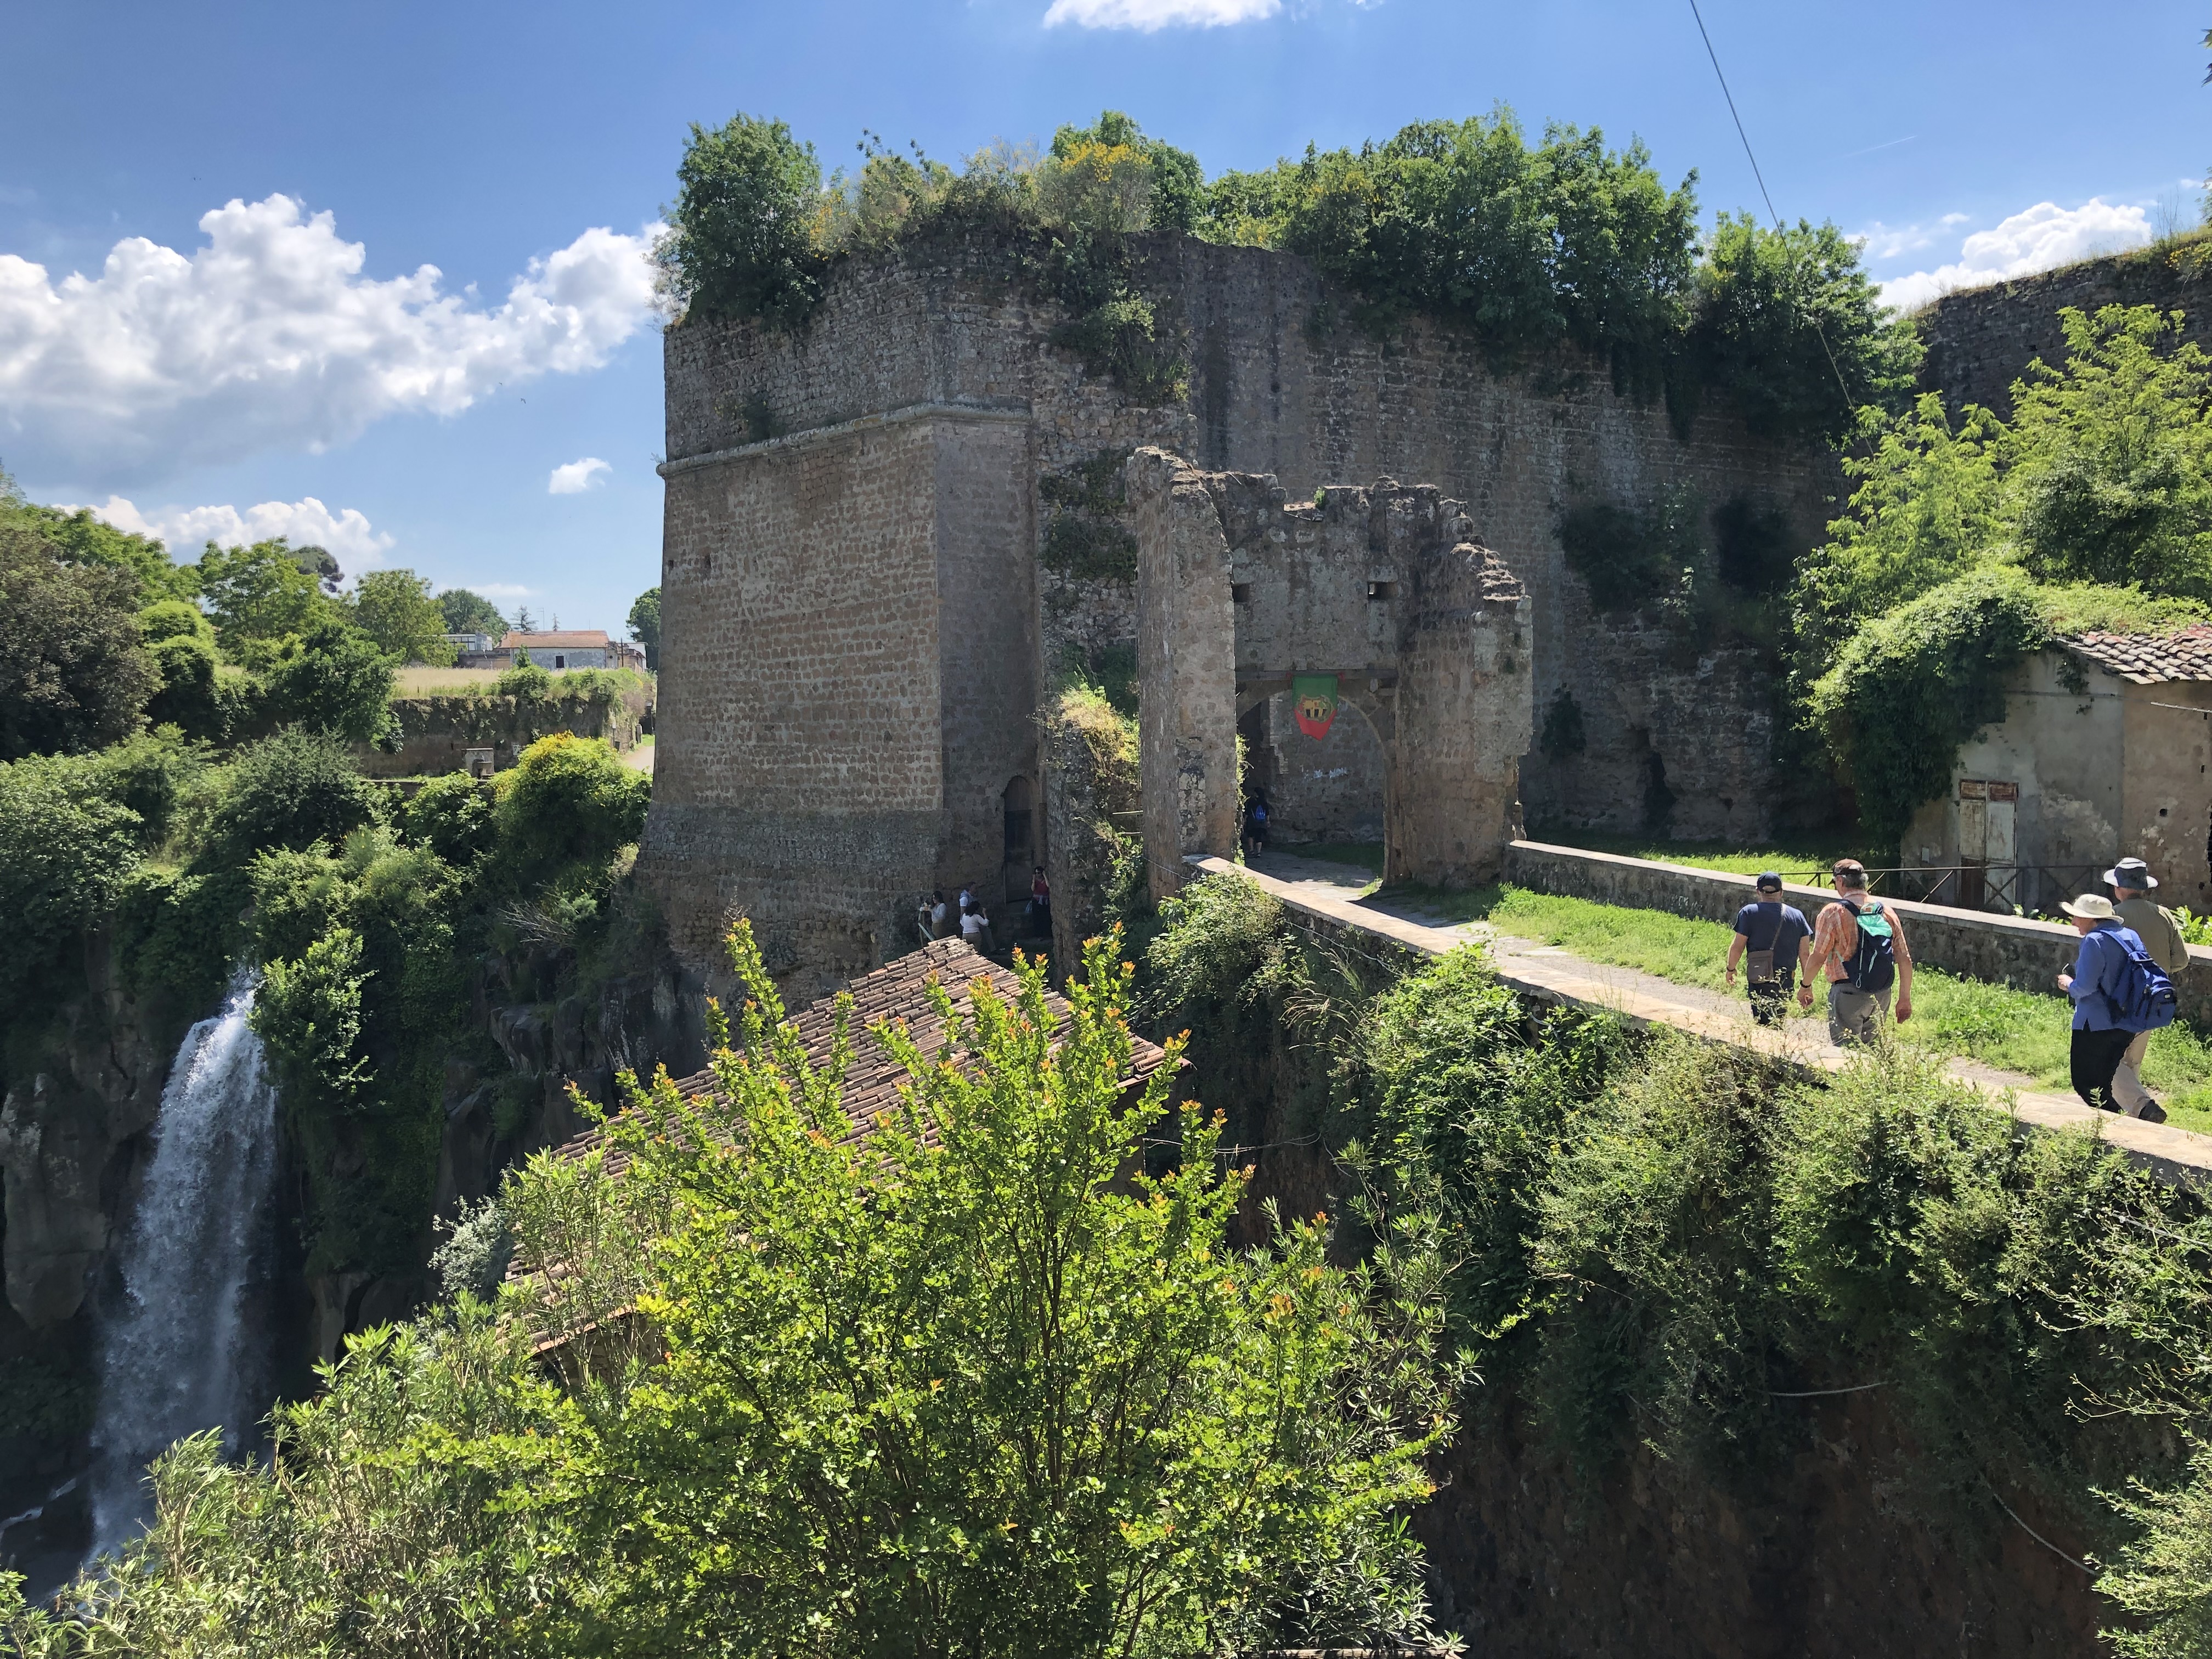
<point>1425,632</point>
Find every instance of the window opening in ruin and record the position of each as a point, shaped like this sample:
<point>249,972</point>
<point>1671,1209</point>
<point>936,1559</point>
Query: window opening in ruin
<point>1240,593</point>
<point>1382,593</point>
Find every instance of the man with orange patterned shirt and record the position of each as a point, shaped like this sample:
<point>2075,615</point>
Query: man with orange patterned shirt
<point>1860,944</point>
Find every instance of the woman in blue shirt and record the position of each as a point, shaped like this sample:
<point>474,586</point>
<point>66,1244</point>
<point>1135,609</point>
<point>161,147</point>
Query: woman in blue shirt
<point>2099,984</point>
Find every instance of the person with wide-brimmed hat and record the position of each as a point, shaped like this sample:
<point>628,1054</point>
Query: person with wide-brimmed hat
<point>2106,985</point>
<point>2159,929</point>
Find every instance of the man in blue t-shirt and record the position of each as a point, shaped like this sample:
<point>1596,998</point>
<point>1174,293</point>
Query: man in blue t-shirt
<point>1770,933</point>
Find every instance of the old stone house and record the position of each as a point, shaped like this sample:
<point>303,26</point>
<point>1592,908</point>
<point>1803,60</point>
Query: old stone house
<point>2102,753</point>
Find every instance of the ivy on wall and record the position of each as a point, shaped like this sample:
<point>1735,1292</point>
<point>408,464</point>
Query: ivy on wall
<point>1085,538</point>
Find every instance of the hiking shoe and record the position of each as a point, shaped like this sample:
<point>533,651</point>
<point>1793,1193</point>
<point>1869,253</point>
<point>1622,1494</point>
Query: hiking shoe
<point>2152,1112</point>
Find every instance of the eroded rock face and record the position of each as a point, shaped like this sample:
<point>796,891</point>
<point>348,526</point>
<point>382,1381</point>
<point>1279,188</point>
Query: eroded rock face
<point>69,1141</point>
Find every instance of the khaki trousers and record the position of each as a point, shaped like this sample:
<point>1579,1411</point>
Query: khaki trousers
<point>2128,1091</point>
<point>1854,1016</point>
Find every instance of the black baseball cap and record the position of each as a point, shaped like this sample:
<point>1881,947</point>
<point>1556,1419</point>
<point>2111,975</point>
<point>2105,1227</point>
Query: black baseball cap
<point>1768,882</point>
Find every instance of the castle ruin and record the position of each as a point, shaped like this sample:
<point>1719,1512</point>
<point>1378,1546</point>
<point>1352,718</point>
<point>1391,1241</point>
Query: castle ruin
<point>886,536</point>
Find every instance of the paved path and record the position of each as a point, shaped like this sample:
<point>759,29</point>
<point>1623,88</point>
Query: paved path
<point>1332,891</point>
<point>640,756</point>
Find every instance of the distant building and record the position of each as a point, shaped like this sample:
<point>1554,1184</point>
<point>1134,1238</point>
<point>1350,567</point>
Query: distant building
<point>580,648</point>
<point>2102,754</point>
<point>468,644</point>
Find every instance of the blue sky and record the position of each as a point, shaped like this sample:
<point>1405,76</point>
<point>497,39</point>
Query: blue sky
<point>221,379</point>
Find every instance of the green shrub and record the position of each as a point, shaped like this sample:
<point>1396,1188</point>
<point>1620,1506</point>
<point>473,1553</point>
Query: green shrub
<point>67,847</point>
<point>526,680</point>
<point>1086,548</point>
<point>1176,196</point>
<point>309,1014</point>
<point>2111,456</point>
<point>73,675</point>
<point>451,817</point>
<point>190,696</point>
<point>336,681</point>
<point>566,803</point>
<point>271,591</point>
<point>394,609</point>
<point>155,774</point>
<point>179,935</point>
<point>1657,558</point>
<point>1790,332</point>
<point>365,995</point>
<point>287,791</point>
<point>467,612</point>
<point>743,223</point>
<point>1564,733</point>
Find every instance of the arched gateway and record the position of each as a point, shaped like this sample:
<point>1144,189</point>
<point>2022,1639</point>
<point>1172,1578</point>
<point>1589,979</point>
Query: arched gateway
<point>1379,598</point>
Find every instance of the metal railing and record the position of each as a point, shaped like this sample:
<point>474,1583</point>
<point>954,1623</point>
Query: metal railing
<point>2007,889</point>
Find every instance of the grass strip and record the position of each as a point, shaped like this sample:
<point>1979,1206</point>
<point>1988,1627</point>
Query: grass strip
<point>1794,862</point>
<point>2013,1031</point>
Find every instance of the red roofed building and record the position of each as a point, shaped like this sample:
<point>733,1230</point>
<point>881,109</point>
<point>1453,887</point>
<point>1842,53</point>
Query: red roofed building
<point>577,648</point>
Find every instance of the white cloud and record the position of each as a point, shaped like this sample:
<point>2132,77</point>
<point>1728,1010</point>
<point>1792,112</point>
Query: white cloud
<point>1881,241</point>
<point>577,476</point>
<point>1150,15</point>
<point>269,335</point>
<point>347,534</point>
<point>2043,236</point>
<point>499,590</point>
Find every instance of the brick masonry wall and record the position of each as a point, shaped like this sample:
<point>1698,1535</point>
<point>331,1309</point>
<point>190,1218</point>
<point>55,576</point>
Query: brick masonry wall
<point>799,765</point>
<point>1980,341</point>
<point>2007,949</point>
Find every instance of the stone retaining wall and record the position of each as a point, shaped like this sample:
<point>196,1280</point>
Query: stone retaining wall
<point>2006,949</point>
<point>436,734</point>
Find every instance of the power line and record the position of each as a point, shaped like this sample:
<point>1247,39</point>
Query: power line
<point>1820,333</point>
<point>1733,115</point>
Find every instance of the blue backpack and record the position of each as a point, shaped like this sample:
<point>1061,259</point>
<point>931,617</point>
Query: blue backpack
<point>2147,999</point>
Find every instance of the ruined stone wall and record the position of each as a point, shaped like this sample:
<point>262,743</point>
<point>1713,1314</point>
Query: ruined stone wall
<point>1425,632</point>
<point>1980,340</point>
<point>987,648</point>
<point>1275,387</point>
<point>1674,742</point>
<point>1186,637</point>
<point>436,734</point>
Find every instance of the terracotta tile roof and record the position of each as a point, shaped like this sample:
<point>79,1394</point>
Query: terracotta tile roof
<point>896,991</point>
<point>575,639</point>
<point>2149,658</point>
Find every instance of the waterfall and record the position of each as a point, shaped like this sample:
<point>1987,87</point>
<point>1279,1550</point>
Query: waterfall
<point>177,1354</point>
